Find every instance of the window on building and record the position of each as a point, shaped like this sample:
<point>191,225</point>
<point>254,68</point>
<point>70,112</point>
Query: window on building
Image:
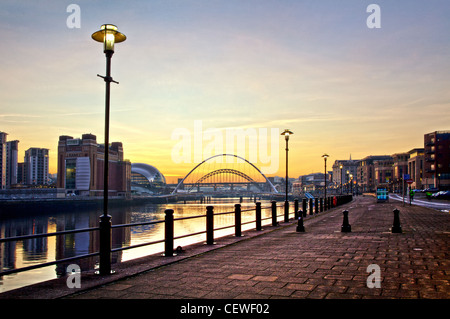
<point>71,167</point>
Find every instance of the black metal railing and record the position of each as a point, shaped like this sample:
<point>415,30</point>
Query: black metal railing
<point>169,236</point>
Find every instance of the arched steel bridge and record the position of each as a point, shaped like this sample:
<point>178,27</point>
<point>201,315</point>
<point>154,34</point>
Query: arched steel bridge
<point>222,171</point>
<point>225,171</point>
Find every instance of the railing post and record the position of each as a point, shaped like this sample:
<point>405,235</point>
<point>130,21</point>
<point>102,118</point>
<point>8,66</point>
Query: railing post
<point>274,213</point>
<point>210,225</point>
<point>237,220</point>
<point>311,206</point>
<point>286,211</point>
<point>105,245</point>
<point>296,208</point>
<point>168,250</point>
<point>316,205</point>
<point>396,227</point>
<point>304,207</point>
<point>258,216</point>
<point>321,204</point>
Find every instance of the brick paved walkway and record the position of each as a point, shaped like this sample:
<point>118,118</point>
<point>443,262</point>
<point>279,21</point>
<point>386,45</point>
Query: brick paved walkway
<point>319,263</point>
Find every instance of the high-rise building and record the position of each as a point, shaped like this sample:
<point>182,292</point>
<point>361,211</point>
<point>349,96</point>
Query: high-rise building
<point>3,160</point>
<point>12,153</point>
<point>437,160</point>
<point>81,167</point>
<point>36,166</point>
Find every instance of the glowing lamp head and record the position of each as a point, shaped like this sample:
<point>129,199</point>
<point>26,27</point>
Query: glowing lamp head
<point>108,35</point>
<point>325,156</point>
<point>286,134</point>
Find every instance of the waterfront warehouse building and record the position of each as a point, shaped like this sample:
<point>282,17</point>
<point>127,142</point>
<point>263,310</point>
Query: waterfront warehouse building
<point>81,167</point>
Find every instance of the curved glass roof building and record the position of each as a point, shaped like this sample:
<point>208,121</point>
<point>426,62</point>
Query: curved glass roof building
<point>146,178</point>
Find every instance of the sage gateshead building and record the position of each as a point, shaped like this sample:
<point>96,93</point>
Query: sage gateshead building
<point>81,167</point>
<point>146,180</point>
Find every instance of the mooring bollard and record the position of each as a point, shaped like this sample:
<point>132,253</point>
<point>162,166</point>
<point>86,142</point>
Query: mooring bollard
<point>274,213</point>
<point>168,233</point>
<point>346,228</point>
<point>258,216</point>
<point>296,208</point>
<point>237,220</point>
<point>210,225</point>
<point>300,226</point>
<point>396,227</point>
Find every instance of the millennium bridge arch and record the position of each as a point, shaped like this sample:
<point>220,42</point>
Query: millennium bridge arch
<point>225,171</point>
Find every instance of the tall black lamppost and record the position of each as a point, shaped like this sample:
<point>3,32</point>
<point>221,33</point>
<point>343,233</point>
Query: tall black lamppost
<point>351,184</point>
<point>340,166</point>
<point>108,35</point>
<point>286,134</point>
<point>325,156</point>
<point>348,180</point>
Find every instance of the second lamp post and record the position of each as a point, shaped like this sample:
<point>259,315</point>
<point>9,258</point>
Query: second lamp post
<point>286,134</point>
<point>325,156</point>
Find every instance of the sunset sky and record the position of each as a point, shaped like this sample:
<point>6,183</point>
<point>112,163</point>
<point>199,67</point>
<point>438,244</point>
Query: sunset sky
<point>311,66</point>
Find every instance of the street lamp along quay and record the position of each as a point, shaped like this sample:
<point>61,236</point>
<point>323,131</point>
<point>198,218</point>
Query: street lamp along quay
<point>325,156</point>
<point>108,35</point>
<point>286,134</point>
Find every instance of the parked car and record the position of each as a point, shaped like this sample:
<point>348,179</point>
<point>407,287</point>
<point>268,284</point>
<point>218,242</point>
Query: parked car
<point>442,195</point>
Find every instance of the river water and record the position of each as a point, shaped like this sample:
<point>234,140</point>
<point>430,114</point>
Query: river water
<point>35,251</point>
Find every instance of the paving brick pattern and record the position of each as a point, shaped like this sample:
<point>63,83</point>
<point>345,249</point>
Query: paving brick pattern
<point>321,263</point>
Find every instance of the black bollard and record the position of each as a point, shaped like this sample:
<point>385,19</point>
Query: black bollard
<point>286,211</point>
<point>300,226</point>
<point>304,207</point>
<point>105,245</point>
<point>316,205</point>
<point>237,220</point>
<point>210,225</point>
<point>168,233</point>
<point>296,208</point>
<point>274,213</point>
<point>346,228</point>
<point>396,227</point>
<point>258,215</point>
<point>311,208</point>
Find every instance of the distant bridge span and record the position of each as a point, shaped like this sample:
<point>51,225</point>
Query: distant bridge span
<point>224,171</point>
